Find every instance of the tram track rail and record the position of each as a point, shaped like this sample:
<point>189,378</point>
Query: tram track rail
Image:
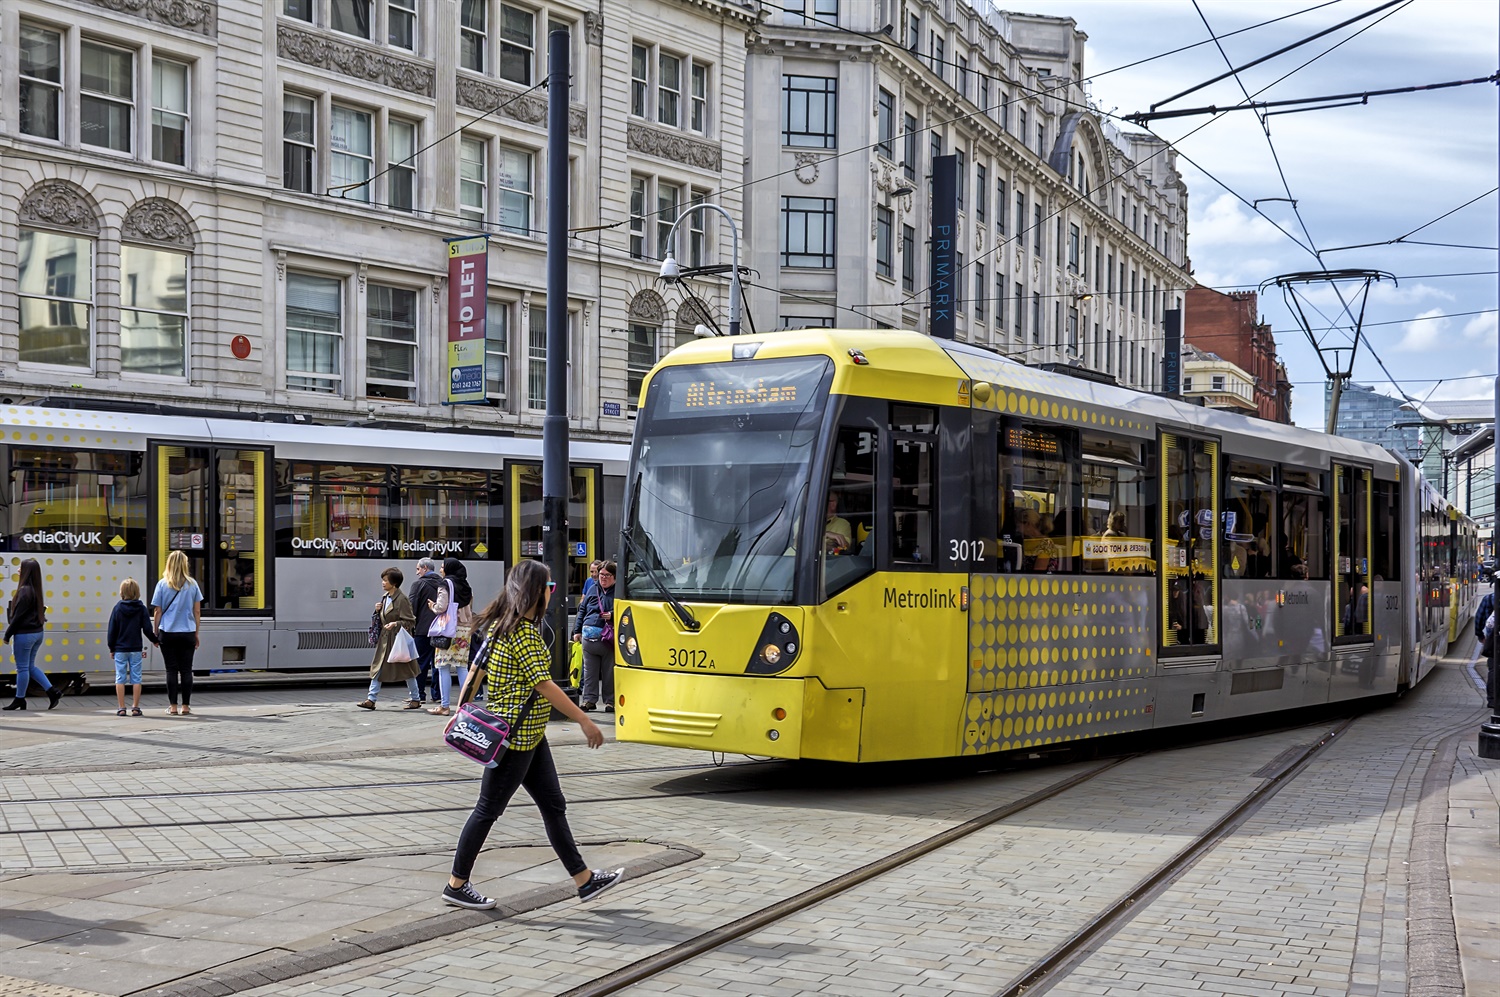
<point>1044,972</point>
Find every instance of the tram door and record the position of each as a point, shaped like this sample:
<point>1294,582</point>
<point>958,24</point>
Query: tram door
<point>212,503</point>
<point>1190,545</point>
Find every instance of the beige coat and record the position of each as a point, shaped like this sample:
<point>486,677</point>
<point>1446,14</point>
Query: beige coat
<point>400,612</point>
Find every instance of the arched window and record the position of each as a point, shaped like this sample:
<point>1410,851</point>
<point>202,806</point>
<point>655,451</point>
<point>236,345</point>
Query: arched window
<point>647,315</point>
<point>157,242</point>
<point>55,275</point>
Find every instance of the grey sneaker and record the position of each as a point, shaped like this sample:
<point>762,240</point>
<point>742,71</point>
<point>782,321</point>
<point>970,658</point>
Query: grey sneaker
<point>466,896</point>
<point>599,882</point>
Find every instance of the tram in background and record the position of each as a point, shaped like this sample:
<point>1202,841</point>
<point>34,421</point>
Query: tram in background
<point>867,546</point>
<point>286,526</point>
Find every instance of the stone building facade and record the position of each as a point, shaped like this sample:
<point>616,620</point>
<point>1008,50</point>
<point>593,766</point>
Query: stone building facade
<point>1211,380</point>
<point>243,206</point>
<point>1071,234</point>
<point>1229,325</point>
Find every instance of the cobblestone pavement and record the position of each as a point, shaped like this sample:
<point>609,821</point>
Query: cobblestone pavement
<point>1312,895</point>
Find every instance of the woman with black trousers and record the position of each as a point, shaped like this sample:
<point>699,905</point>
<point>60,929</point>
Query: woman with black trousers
<point>177,606</point>
<point>594,626</point>
<point>26,618</point>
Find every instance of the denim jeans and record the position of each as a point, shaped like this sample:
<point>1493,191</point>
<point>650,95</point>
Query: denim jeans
<point>127,668</point>
<point>425,651</point>
<point>27,670</point>
<point>411,689</point>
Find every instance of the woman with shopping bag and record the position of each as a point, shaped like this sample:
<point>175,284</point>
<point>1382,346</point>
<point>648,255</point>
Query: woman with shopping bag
<point>395,649</point>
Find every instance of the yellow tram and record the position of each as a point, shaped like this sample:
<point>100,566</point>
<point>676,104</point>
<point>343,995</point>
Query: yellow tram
<point>873,545</point>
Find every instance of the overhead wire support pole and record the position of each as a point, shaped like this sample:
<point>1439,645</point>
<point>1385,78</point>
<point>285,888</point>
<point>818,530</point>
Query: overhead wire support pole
<point>555,423</point>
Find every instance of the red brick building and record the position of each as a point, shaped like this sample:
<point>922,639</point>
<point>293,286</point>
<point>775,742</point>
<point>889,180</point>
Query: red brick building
<point>1230,325</point>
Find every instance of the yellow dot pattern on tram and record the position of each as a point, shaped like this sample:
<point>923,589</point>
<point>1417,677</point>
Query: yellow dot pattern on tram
<point>81,590</point>
<point>1081,672</point>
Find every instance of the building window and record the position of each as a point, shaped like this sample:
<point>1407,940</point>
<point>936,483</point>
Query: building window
<point>807,232</point>
<point>984,95</point>
<point>1041,140</point>
<point>169,112</point>
<point>999,298</point>
<point>640,82</point>
<point>401,26</point>
<point>517,44</point>
<point>805,322</point>
<point>698,232</point>
<point>496,350</point>
<point>1057,242</point>
<point>302,10</point>
<point>908,258</point>
<point>961,175</point>
<point>1073,329</point>
<point>1003,99</point>
<point>1187,383</point>
<point>472,180</point>
<point>1000,205</point>
<point>668,90</point>
<point>298,143</point>
<point>1020,300</point>
<point>314,333</point>
<point>536,360</point>
<point>515,190</point>
<point>939,63</point>
<point>1073,249</point>
<point>473,33</point>
<point>41,82</point>
<point>55,281</point>
<point>638,185</point>
<point>1021,124</point>
<point>1036,318</point>
<point>1036,229</point>
<point>106,99</point>
<point>668,204</point>
<point>640,357</point>
<point>958,282</point>
<point>809,117</point>
<point>1216,382</point>
<point>401,151</point>
<point>884,243</point>
<point>153,311</point>
<point>885,124</point>
<point>981,288</point>
<point>961,81</point>
<point>909,145</point>
<point>351,154</point>
<point>391,343</point>
<point>913,32</point>
<point>700,98</point>
<point>1021,219</point>
<point>352,17</point>
<point>981,190</point>
<point>826,12</point>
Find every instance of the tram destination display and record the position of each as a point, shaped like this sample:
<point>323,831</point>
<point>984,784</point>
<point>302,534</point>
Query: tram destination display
<point>761,387</point>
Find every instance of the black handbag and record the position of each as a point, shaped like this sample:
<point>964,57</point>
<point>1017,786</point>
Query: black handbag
<point>375,627</point>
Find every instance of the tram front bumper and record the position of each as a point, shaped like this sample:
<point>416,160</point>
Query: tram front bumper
<point>739,714</point>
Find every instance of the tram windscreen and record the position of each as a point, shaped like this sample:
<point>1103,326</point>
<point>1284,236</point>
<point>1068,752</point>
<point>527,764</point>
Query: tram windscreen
<point>720,479</point>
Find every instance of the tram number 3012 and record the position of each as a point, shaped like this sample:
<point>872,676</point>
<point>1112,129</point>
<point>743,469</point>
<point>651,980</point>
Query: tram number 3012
<point>686,657</point>
<point>966,551</point>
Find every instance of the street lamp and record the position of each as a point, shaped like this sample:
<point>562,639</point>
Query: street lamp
<point>672,273</point>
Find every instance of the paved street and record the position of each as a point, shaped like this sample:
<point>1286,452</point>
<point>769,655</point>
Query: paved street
<point>280,842</point>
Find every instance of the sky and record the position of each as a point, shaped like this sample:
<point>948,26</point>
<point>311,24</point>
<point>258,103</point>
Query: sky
<point>1360,174</point>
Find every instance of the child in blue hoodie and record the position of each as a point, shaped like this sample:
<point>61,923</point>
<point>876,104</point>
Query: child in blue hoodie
<point>127,622</point>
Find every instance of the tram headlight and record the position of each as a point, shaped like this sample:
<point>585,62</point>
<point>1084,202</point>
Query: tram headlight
<point>771,653</point>
<point>777,647</point>
<point>631,647</point>
<point>773,734</point>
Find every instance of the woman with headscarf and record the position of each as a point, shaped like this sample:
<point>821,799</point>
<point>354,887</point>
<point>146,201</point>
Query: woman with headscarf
<point>454,657</point>
<point>26,619</point>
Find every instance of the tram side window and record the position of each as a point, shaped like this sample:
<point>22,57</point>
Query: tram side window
<point>443,513</point>
<point>1385,559</point>
<point>1037,497</point>
<point>331,510</point>
<point>75,501</point>
<point>1249,517</point>
<point>1304,519</point>
<point>1351,593</point>
<point>913,484</point>
<point>1118,514</point>
<point>849,525</point>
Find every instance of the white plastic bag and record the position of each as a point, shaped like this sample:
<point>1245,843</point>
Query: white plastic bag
<point>403,647</point>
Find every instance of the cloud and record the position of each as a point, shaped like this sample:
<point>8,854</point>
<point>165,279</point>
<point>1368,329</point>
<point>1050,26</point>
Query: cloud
<point>1426,332</point>
<point>1482,329</point>
<point>1227,223</point>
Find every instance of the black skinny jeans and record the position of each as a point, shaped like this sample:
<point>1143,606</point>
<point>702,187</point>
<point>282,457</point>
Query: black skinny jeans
<point>177,654</point>
<point>535,770</point>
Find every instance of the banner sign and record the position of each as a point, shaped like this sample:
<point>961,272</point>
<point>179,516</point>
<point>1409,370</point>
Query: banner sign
<point>1171,358</point>
<point>944,245</point>
<point>468,281</point>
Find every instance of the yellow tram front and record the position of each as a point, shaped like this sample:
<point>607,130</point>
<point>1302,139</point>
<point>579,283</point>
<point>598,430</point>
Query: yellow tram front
<point>769,478</point>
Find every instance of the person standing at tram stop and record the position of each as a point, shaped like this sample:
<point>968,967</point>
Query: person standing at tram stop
<point>592,582</point>
<point>455,657</point>
<point>178,611</point>
<point>26,619</point>
<point>129,629</point>
<point>594,627</point>
<point>424,593</point>
<point>395,612</point>
<point>518,668</point>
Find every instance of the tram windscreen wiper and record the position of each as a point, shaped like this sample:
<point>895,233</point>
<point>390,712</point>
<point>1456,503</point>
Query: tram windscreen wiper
<point>684,614</point>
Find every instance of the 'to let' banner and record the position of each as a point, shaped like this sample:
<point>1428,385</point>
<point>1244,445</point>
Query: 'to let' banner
<point>468,280</point>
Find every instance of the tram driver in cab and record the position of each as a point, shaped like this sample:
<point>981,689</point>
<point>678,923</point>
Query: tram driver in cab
<point>838,535</point>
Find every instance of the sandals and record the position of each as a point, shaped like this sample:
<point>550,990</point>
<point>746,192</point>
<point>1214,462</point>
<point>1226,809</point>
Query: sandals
<point>136,712</point>
<point>172,710</point>
<point>440,711</point>
<point>186,711</point>
<point>120,712</point>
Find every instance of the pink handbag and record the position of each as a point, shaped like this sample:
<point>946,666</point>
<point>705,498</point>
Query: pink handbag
<point>480,735</point>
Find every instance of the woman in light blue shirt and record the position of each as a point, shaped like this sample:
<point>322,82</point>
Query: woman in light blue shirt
<point>177,607</point>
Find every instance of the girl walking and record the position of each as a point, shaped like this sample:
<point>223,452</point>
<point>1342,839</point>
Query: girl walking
<point>395,613</point>
<point>26,618</point>
<point>521,689</point>
<point>177,605</point>
<point>455,657</point>
<point>128,621</point>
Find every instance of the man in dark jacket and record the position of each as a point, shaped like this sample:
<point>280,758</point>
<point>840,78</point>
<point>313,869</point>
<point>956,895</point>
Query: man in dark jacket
<point>423,590</point>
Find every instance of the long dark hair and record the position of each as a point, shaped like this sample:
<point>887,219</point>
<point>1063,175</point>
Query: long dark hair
<point>30,580</point>
<point>525,594</point>
<point>454,571</point>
